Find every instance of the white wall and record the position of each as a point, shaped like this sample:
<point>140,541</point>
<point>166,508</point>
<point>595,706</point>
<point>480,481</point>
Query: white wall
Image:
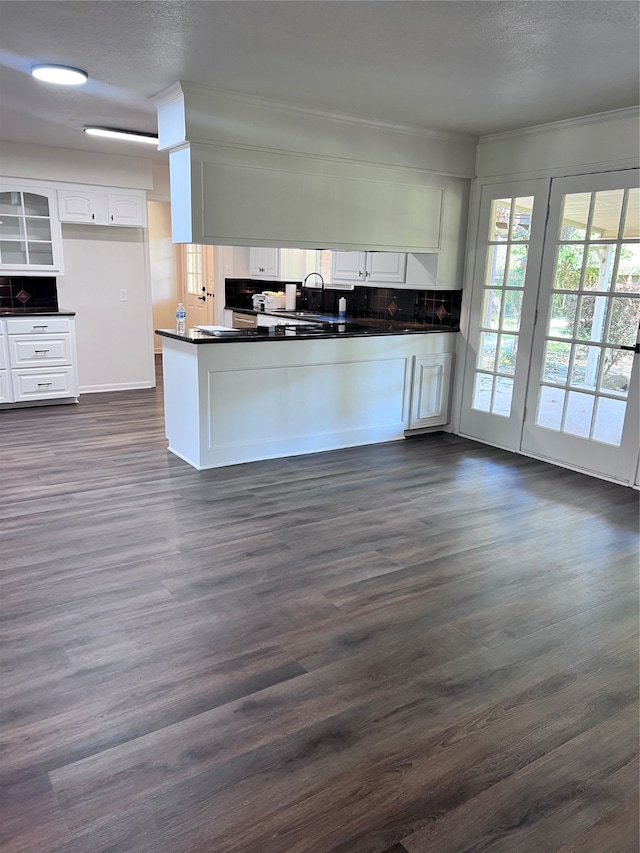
<point>114,338</point>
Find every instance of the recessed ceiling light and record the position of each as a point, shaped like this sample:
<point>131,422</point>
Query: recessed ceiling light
<point>116,133</point>
<point>62,74</point>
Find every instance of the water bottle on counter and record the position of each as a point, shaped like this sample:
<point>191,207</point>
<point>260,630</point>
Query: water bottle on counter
<point>181,319</point>
<point>342,308</point>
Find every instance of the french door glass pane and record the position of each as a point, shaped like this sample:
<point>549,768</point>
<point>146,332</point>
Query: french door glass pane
<point>579,412</point>
<point>568,267</point>
<point>584,371</point>
<point>591,319</point>
<point>607,209</point>
<point>487,350</point>
<point>550,407</point>
<point>497,263</point>
<point>562,316</point>
<point>512,310</point>
<point>500,220</point>
<point>575,215</point>
<point>482,392</point>
<point>628,272</point>
<point>616,371</point>
<point>609,421</point>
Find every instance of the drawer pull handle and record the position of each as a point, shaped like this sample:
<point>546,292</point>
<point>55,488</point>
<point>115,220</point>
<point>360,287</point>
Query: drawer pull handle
<point>40,327</point>
<point>36,351</point>
<point>44,384</point>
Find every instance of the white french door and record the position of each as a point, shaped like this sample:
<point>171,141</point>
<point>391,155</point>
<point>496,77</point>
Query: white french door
<point>197,283</point>
<point>583,398</point>
<point>551,368</point>
<point>502,312</point>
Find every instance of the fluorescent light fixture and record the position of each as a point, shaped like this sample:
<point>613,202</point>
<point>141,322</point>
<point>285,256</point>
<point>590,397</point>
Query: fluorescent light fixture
<point>65,75</point>
<point>128,135</point>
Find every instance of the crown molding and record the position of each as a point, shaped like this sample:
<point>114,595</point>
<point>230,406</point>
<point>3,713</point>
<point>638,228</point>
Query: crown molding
<point>579,121</point>
<point>183,87</point>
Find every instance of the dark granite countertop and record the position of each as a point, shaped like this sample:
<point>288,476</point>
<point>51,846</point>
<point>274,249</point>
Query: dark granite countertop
<point>35,312</point>
<point>285,332</point>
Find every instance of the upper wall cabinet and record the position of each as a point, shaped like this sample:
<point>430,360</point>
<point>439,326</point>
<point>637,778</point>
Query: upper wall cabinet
<point>277,264</point>
<point>100,206</point>
<point>30,237</point>
<point>276,200</point>
<point>368,267</point>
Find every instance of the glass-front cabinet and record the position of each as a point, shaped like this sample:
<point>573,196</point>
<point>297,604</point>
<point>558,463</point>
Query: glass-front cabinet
<point>30,237</point>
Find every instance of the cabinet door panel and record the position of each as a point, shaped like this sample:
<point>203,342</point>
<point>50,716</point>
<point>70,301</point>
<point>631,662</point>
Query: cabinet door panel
<point>38,325</point>
<point>30,235</point>
<point>348,266</point>
<point>38,352</point>
<point>76,206</point>
<point>386,267</point>
<point>430,391</point>
<point>126,209</point>
<point>264,263</point>
<point>42,384</point>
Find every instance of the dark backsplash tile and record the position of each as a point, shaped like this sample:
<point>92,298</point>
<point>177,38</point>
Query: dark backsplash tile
<point>397,306</point>
<point>22,294</point>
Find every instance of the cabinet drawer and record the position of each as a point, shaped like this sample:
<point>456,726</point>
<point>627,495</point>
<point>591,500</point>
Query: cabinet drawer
<point>37,325</point>
<point>33,351</point>
<point>5,396</point>
<point>41,384</point>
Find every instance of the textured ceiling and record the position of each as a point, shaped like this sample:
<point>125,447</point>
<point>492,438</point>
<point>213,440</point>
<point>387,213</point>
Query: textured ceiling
<point>475,67</point>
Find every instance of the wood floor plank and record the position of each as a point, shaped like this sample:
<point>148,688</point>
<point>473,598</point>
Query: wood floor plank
<point>429,645</point>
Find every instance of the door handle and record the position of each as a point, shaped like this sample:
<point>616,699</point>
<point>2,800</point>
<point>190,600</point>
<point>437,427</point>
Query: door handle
<point>635,348</point>
<point>202,298</point>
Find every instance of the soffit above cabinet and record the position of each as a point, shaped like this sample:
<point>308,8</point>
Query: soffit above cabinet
<point>190,113</point>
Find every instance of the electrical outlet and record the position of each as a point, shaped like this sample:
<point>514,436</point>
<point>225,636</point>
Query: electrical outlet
<point>124,295</point>
<point>227,269</point>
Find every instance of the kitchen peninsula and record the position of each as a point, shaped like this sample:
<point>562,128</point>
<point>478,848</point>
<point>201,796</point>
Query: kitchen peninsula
<point>234,396</point>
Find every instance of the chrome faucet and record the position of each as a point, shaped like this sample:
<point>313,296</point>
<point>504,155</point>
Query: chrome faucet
<point>304,294</point>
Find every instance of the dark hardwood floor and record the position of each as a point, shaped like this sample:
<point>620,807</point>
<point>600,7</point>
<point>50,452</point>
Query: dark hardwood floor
<point>429,646</point>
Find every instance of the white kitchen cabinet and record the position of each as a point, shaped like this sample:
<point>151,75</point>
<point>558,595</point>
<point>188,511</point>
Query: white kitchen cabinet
<point>277,264</point>
<point>42,362</point>
<point>264,262</point>
<point>430,390</point>
<point>30,235</point>
<point>369,267</point>
<point>100,206</point>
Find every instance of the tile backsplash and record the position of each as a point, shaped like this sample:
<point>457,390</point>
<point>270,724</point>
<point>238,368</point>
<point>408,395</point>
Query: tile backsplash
<point>387,304</point>
<point>21,294</point>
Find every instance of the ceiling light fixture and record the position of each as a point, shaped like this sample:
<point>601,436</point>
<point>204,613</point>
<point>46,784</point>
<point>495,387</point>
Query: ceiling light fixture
<point>128,135</point>
<point>65,75</point>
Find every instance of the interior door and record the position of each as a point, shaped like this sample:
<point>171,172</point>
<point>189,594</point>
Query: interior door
<point>198,284</point>
<point>583,399</point>
<point>502,312</point>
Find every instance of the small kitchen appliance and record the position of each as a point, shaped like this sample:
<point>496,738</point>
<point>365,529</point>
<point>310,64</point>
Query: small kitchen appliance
<point>268,301</point>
